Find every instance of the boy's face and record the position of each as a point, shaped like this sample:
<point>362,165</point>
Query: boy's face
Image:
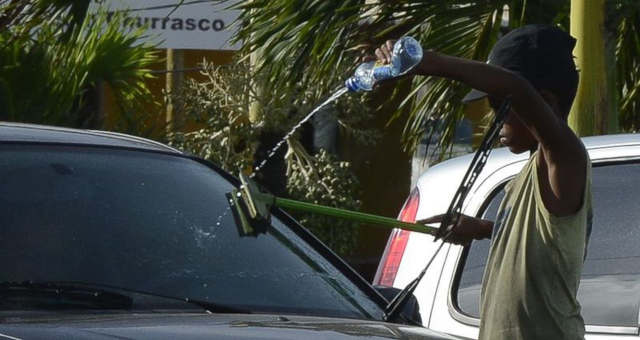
<point>514,134</point>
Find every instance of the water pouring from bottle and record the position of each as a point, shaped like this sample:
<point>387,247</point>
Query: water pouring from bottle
<point>407,53</point>
<point>275,149</point>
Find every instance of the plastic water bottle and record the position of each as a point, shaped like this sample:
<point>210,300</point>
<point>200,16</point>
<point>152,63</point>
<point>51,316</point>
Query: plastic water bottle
<point>406,54</point>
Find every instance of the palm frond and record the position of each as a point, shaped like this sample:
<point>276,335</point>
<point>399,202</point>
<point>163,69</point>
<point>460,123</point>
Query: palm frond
<point>628,68</point>
<point>51,69</point>
<point>306,41</point>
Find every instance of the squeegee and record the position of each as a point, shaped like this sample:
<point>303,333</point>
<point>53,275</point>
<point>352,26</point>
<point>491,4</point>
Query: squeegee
<point>252,211</point>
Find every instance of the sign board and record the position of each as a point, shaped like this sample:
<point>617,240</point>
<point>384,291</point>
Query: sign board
<point>195,24</point>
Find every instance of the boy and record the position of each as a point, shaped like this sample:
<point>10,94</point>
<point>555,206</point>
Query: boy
<point>540,235</point>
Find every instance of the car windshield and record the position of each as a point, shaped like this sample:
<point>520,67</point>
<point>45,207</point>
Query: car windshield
<point>155,223</point>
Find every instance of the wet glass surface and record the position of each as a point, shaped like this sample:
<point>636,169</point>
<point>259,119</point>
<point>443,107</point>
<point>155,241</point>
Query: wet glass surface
<point>156,223</point>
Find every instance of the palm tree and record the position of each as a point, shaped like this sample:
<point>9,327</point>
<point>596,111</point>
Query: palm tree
<point>625,20</point>
<point>54,57</point>
<point>309,41</point>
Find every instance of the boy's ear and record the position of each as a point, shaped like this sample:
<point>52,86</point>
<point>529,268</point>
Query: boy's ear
<point>552,100</point>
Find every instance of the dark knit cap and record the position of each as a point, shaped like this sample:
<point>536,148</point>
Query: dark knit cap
<point>541,54</point>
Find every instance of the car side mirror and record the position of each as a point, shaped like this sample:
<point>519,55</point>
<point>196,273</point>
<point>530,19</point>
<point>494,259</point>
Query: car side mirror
<point>411,309</point>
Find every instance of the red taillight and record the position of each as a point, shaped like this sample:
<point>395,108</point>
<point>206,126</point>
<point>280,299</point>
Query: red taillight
<point>388,268</point>
<point>410,208</point>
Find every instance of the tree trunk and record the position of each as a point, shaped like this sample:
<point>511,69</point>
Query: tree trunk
<point>255,113</point>
<point>594,110</point>
<point>174,80</point>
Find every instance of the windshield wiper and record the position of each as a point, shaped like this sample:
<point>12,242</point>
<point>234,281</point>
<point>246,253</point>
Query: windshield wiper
<point>60,295</point>
<point>450,220</point>
<point>216,308</point>
<point>95,295</point>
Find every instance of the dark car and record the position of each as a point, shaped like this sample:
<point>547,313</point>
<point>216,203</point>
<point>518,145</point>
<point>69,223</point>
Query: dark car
<point>105,235</point>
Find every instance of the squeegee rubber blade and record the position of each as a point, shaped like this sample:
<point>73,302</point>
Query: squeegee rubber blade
<point>240,214</point>
<point>249,191</point>
<point>258,203</point>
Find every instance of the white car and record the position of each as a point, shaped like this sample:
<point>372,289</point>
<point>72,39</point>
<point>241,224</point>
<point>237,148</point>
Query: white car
<point>449,294</point>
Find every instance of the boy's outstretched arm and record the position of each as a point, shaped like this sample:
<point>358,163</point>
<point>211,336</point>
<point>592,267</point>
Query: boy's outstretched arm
<point>563,158</point>
<point>563,154</point>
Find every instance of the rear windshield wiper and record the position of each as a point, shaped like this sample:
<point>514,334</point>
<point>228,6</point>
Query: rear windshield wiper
<point>89,295</point>
<point>395,307</point>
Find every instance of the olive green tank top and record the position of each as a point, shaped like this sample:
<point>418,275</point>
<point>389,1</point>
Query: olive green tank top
<point>533,270</point>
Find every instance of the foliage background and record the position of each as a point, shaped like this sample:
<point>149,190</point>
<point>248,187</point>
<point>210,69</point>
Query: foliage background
<point>303,41</point>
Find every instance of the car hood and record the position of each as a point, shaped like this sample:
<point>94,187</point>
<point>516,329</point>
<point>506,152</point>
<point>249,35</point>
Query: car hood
<point>199,326</point>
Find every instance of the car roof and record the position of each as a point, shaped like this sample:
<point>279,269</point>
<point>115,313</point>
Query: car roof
<point>32,133</point>
<point>501,157</point>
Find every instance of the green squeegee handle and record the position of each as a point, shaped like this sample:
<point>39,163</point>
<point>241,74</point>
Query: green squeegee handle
<point>352,215</point>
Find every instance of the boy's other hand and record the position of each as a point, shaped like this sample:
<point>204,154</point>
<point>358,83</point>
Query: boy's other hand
<point>383,56</point>
<point>383,53</point>
<point>468,229</point>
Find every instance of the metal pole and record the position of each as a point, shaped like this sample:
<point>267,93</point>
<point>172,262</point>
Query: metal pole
<point>175,61</point>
